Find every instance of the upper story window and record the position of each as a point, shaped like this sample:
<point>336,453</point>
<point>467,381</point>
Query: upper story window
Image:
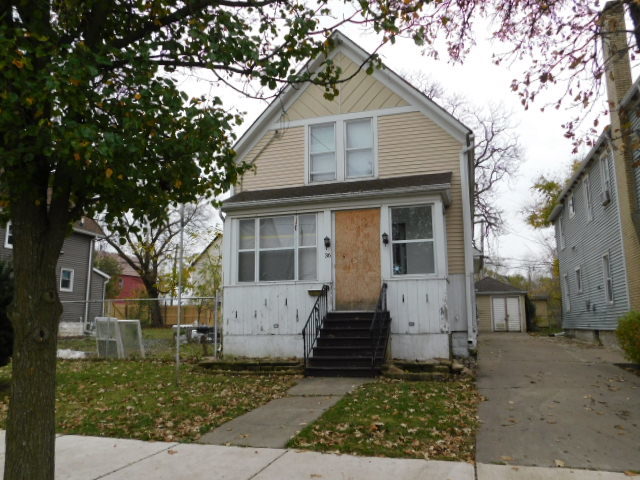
<point>586,183</point>
<point>412,240</point>
<point>341,150</point>
<point>66,279</point>
<point>560,233</point>
<point>572,205</point>
<point>359,148</point>
<point>8,235</point>
<point>605,194</point>
<point>579,279</point>
<point>284,247</point>
<point>322,152</point>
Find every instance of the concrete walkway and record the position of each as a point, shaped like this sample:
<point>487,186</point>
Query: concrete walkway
<point>552,400</point>
<point>272,425</point>
<point>93,458</point>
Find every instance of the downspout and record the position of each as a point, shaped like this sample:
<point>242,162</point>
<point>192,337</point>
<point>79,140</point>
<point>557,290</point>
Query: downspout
<point>88,286</point>
<point>466,167</point>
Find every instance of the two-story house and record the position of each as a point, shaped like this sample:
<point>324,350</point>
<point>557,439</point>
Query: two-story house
<point>596,219</point>
<point>80,286</point>
<point>372,188</point>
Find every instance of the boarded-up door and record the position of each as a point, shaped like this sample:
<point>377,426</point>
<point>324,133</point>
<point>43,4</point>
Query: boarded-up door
<point>499,309</point>
<point>357,261</point>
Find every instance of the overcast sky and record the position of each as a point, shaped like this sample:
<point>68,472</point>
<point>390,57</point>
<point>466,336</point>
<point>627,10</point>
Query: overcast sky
<point>545,150</point>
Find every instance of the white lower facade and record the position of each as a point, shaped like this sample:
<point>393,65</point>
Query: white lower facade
<point>429,317</point>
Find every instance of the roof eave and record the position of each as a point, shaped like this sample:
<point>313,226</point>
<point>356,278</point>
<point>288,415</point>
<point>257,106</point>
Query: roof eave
<point>443,189</point>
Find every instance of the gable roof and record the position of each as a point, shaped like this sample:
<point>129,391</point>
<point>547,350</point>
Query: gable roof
<point>360,56</point>
<point>217,237</point>
<point>435,182</point>
<point>489,285</point>
<point>88,226</point>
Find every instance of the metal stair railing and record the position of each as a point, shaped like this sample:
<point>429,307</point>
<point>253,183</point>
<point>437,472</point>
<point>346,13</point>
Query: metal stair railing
<point>378,327</point>
<point>311,330</point>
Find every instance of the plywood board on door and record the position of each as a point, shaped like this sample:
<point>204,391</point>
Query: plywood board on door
<point>357,259</point>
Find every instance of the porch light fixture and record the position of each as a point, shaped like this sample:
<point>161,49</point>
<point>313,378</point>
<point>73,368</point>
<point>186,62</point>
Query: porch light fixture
<point>327,242</point>
<point>385,238</point>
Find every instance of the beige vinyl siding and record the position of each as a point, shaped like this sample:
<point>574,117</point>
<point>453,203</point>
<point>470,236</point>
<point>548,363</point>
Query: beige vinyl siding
<point>483,306</point>
<point>361,93</point>
<point>412,144</point>
<point>278,159</point>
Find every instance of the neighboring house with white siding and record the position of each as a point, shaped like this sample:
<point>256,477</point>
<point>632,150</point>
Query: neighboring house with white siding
<point>372,188</point>
<point>79,284</point>
<point>597,218</point>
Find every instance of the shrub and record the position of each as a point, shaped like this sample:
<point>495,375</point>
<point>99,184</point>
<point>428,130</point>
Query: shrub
<point>6,295</point>
<point>628,333</point>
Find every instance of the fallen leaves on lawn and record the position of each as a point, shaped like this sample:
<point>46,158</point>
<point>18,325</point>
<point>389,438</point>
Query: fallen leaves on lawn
<point>139,399</point>
<point>399,419</point>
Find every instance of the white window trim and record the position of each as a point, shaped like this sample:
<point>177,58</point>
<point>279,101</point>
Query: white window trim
<point>8,228</point>
<point>340,129</point>
<point>256,249</point>
<point>579,285</point>
<point>567,295</point>
<point>70,289</point>
<point>571,203</point>
<point>607,277</point>
<point>561,233</point>
<point>586,185</point>
<point>435,226</point>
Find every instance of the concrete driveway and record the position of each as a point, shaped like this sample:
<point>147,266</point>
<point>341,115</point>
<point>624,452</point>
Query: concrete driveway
<point>556,402</point>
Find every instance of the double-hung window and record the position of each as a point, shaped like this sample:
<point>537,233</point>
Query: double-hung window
<point>8,235</point>
<point>341,150</point>
<point>608,280</point>
<point>560,233</point>
<point>412,240</point>
<point>359,148</point>
<point>322,152</point>
<point>66,280</point>
<point>277,248</point>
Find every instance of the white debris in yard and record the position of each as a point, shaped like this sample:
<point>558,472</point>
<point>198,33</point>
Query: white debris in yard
<point>71,354</point>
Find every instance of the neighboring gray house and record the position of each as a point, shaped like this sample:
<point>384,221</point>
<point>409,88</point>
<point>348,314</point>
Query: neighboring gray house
<point>78,282</point>
<point>598,240</point>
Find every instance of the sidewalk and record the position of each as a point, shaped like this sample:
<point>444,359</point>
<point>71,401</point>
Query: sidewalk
<point>274,424</point>
<point>93,458</point>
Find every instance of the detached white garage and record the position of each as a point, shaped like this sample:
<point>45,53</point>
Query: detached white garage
<point>500,306</point>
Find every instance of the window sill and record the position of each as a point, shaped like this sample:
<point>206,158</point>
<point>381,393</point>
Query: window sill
<point>275,282</point>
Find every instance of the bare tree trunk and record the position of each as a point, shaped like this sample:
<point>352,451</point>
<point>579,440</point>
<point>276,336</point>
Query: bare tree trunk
<point>30,439</point>
<point>156,312</point>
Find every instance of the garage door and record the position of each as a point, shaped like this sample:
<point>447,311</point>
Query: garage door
<point>499,307</point>
<point>513,314</point>
<point>506,314</point>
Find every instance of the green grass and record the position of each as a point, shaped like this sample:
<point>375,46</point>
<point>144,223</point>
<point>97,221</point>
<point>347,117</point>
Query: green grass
<point>394,418</point>
<point>139,399</point>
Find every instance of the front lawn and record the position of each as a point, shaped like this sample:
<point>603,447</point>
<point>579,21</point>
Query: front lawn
<point>394,418</point>
<point>139,399</point>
